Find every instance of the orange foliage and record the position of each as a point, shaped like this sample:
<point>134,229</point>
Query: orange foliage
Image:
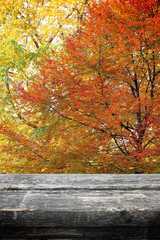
<point>106,82</point>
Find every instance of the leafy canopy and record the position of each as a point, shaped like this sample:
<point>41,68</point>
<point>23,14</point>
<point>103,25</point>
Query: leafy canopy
<point>93,105</point>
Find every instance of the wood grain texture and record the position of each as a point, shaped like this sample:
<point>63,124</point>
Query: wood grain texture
<point>72,206</point>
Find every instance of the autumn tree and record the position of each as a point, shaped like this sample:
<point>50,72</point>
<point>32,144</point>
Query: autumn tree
<point>107,81</point>
<point>29,29</point>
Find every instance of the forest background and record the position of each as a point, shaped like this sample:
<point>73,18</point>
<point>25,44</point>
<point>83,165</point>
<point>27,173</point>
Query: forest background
<point>79,86</point>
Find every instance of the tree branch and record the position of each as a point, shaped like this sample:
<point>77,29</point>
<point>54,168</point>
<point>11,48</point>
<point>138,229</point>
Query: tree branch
<point>148,142</point>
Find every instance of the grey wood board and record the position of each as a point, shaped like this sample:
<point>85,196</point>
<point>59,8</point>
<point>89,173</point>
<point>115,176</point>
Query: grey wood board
<point>111,233</point>
<point>80,206</point>
<point>73,200</point>
<point>77,200</point>
<point>80,181</point>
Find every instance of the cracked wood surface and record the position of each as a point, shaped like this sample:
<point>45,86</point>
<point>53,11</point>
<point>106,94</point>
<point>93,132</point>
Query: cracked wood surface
<point>74,201</point>
<point>77,181</point>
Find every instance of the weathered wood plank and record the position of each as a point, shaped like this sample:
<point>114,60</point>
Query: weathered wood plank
<point>94,208</point>
<point>80,206</point>
<point>84,181</point>
<point>83,233</point>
